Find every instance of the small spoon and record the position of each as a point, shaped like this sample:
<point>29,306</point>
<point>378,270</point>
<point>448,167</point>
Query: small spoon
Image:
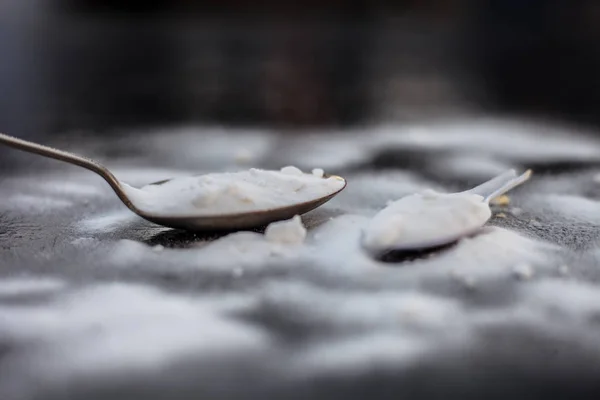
<point>241,220</point>
<point>430,219</point>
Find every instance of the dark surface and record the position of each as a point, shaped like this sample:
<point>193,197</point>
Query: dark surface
<point>91,305</point>
<point>88,309</point>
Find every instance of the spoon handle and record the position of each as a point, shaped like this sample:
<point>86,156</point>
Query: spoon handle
<point>508,186</point>
<point>70,158</point>
<point>489,187</point>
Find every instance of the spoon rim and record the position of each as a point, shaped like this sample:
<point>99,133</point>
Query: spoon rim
<point>430,245</point>
<point>319,201</point>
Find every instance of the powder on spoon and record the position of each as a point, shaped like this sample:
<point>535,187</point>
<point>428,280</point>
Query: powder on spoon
<point>425,219</point>
<point>232,193</point>
<point>430,219</point>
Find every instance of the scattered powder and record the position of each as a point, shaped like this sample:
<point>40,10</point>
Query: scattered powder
<point>359,355</point>
<point>248,250</point>
<point>454,274</point>
<point>85,242</point>
<point>291,231</point>
<point>425,220</point>
<point>237,272</point>
<point>114,329</point>
<point>535,222</point>
<point>59,186</point>
<point>564,270</point>
<point>29,286</point>
<point>567,206</point>
<point>502,201</point>
<point>469,282</point>
<point>523,271</point>
<point>38,203</point>
<point>578,302</point>
<point>230,193</point>
<point>516,211</point>
<point>108,222</point>
<point>318,172</point>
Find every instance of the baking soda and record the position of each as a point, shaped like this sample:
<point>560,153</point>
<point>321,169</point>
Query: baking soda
<point>426,219</point>
<point>232,193</point>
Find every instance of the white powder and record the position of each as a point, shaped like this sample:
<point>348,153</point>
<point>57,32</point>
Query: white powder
<point>237,272</point>
<point>37,203</point>
<point>231,193</point>
<point>291,170</point>
<point>523,271</point>
<point>426,219</point>
<point>516,211</point>
<point>564,270</point>
<point>29,286</point>
<point>108,222</point>
<point>469,282</point>
<point>290,231</point>
<point>318,172</point>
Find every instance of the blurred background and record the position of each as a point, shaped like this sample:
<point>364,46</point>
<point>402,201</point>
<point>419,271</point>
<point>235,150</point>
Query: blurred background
<point>95,65</point>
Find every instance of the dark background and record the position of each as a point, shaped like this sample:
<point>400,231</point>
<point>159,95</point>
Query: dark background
<point>81,75</point>
<point>95,65</point>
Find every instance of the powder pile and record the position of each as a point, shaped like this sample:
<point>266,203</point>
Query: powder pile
<point>290,231</point>
<point>523,271</point>
<point>231,193</point>
<point>318,172</point>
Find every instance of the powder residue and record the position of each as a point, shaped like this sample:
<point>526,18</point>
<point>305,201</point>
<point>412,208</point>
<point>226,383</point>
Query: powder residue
<point>564,270</point>
<point>523,271</point>
<point>291,231</point>
<point>231,193</point>
<point>29,286</point>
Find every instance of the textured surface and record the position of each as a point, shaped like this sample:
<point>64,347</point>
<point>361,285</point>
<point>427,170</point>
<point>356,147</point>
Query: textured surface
<point>97,303</point>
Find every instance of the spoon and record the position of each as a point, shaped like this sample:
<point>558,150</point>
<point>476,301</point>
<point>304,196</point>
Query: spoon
<point>430,219</point>
<point>231,221</point>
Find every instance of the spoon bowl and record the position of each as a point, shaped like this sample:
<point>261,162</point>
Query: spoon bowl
<point>199,222</point>
<point>428,220</point>
<point>243,220</point>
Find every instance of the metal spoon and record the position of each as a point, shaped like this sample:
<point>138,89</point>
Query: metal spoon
<point>429,220</point>
<point>232,221</point>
